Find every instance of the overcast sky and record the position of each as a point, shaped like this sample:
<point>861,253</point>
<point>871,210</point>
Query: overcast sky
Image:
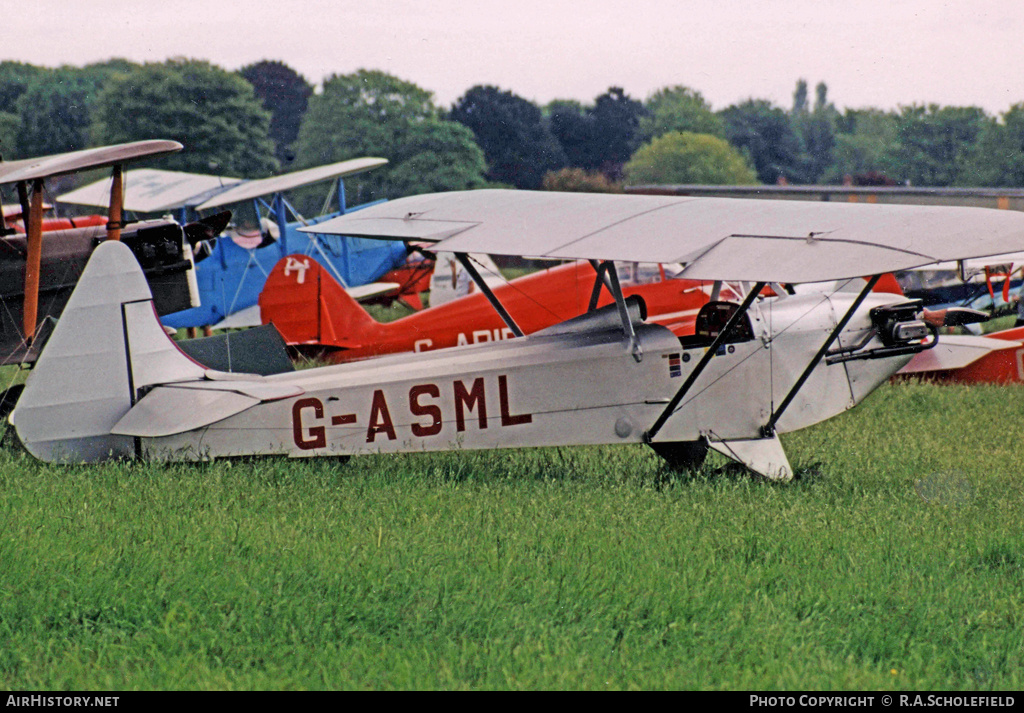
<point>881,53</point>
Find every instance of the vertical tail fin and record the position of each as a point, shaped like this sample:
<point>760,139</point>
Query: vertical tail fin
<point>308,306</point>
<point>888,284</point>
<point>107,345</point>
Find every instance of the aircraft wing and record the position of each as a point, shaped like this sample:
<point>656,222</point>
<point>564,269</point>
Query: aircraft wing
<point>955,352</point>
<point>277,184</point>
<point>75,161</point>
<point>151,190</point>
<point>715,238</point>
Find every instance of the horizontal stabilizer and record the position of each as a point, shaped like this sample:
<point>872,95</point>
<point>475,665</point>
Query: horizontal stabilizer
<point>761,455</point>
<point>253,387</point>
<point>373,289</point>
<point>259,350</point>
<point>241,319</point>
<point>167,410</point>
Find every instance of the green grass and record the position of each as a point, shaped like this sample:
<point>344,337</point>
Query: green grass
<point>12,374</point>
<point>998,324</point>
<point>381,313</point>
<point>576,568</point>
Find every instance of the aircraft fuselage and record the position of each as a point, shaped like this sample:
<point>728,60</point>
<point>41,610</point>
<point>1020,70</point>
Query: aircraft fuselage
<point>584,387</point>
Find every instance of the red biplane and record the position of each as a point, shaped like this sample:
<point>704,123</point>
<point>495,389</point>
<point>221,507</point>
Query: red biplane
<point>316,317</point>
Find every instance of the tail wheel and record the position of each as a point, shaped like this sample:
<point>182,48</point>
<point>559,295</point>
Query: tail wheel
<point>682,455</point>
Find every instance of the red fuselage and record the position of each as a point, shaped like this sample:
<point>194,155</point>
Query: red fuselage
<point>313,312</point>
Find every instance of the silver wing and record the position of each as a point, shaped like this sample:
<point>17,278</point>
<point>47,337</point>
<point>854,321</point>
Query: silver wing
<point>715,238</point>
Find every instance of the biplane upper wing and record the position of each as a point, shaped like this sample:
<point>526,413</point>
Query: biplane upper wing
<point>75,161</point>
<point>277,184</point>
<point>152,190</point>
<point>715,238</point>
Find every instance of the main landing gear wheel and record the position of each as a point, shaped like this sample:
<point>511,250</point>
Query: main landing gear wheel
<point>681,456</point>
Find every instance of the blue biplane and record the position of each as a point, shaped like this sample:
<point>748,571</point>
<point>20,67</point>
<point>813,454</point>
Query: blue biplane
<point>232,268</point>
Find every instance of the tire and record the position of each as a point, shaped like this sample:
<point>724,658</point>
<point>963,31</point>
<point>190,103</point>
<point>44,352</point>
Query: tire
<point>9,398</point>
<point>681,456</point>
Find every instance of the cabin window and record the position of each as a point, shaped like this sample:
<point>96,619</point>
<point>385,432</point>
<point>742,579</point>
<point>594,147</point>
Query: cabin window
<point>638,273</point>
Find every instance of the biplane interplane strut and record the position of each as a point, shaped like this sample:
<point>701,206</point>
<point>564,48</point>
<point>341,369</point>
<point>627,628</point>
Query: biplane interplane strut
<point>232,269</point>
<point>38,269</point>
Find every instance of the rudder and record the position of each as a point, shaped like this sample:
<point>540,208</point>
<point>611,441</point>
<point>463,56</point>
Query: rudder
<point>308,306</point>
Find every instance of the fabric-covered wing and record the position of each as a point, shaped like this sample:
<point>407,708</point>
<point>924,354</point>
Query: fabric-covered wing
<point>151,190</point>
<point>716,238</point>
<point>277,184</point>
<point>74,161</point>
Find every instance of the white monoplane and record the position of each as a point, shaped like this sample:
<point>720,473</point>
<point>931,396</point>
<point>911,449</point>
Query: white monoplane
<point>752,370</point>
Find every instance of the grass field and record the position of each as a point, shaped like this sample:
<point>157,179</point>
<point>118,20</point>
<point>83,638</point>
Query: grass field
<point>895,561</point>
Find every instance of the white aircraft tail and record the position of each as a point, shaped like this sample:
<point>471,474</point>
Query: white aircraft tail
<point>107,346</point>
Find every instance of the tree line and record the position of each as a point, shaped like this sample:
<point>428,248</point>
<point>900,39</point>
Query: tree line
<point>267,118</point>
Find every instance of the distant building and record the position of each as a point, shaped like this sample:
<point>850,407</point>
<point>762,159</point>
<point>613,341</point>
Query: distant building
<point>1005,198</point>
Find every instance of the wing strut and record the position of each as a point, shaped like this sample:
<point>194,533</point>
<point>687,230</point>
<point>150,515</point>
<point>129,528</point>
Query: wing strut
<point>599,281</point>
<point>620,302</point>
<point>704,361</point>
<point>463,258</point>
<point>33,260</point>
<point>768,430</point>
<point>116,207</point>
